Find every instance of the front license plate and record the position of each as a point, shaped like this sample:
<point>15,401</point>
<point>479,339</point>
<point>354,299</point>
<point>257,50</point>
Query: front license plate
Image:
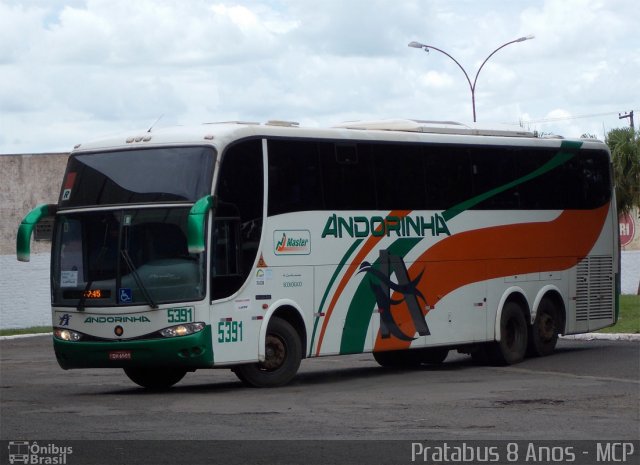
<point>120,355</point>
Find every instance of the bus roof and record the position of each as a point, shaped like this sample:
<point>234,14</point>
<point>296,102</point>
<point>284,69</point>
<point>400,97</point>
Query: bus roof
<point>398,130</point>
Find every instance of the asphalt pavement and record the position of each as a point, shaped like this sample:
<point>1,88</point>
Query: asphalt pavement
<point>586,390</point>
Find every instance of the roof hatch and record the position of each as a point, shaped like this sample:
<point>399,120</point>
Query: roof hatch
<point>437,127</point>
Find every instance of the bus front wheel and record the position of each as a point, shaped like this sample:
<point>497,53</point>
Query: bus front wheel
<point>283,353</point>
<point>155,378</point>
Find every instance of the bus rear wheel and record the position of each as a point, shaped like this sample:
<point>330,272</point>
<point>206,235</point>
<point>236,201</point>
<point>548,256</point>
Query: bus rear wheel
<point>512,346</point>
<point>543,334</point>
<point>283,353</point>
<point>155,378</point>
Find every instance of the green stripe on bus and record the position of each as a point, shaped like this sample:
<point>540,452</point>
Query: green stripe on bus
<point>354,333</point>
<point>337,271</point>
<point>566,153</point>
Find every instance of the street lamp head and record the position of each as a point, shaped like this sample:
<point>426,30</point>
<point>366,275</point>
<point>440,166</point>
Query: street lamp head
<point>529,37</point>
<point>415,44</point>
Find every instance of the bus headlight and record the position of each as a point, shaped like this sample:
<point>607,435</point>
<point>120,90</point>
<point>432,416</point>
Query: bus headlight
<point>67,335</point>
<point>182,330</point>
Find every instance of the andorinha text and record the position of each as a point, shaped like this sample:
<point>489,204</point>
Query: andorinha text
<point>117,319</point>
<point>378,226</point>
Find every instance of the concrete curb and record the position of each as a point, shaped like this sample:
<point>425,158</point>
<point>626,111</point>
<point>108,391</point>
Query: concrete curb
<point>579,337</point>
<point>603,337</point>
<point>22,336</point>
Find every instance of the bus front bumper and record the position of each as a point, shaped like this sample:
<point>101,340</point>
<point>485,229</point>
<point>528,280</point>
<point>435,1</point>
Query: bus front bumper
<point>188,352</point>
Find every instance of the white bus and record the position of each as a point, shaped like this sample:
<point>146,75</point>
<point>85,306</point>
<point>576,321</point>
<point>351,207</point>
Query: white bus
<point>252,246</point>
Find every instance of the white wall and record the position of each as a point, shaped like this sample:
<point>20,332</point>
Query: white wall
<point>630,271</point>
<point>25,298</point>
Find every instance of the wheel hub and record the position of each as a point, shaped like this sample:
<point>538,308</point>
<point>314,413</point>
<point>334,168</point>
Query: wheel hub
<point>275,353</point>
<point>546,327</point>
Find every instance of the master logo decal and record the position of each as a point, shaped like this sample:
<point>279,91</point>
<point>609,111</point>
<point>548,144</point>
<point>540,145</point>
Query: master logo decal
<point>292,242</point>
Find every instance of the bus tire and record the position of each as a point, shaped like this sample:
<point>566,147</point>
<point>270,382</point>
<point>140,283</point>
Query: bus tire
<point>543,334</point>
<point>156,377</point>
<point>512,346</point>
<point>282,360</point>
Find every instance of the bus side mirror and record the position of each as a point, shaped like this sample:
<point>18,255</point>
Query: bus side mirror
<point>23,242</point>
<point>195,224</point>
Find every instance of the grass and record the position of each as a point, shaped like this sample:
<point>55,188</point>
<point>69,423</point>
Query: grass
<point>629,317</point>
<point>628,320</point>
<point>32,330</point>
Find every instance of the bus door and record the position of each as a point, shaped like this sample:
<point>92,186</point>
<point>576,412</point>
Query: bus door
<point>235,239</point>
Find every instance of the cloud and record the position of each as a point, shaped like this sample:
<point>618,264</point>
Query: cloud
<point>19,29</point>
<point>355,27</point>
<point>88,67</point>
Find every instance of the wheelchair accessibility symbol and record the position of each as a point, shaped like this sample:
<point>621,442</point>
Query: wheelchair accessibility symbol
<point>125,295</point>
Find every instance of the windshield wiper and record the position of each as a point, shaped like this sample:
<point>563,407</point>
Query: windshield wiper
<point>137,279</point>
<point>85,292</point>
<point>83,297</point>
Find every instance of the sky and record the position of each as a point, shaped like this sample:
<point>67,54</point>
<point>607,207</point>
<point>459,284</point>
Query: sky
<point>76,70</point>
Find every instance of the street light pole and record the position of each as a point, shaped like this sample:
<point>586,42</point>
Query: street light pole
<point>472,86</point>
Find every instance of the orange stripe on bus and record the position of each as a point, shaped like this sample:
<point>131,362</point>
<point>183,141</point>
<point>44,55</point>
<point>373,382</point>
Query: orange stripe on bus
<point>495,252</point>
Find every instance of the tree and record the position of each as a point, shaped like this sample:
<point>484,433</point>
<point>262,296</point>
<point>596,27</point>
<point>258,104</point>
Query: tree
<point>624,144</point>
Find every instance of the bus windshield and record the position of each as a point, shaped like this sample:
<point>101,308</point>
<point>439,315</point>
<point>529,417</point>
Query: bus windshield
<point>174,174</point>
<point>125,257</point>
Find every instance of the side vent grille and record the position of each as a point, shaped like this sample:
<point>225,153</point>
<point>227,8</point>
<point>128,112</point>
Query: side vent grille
<point>594,289</point>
